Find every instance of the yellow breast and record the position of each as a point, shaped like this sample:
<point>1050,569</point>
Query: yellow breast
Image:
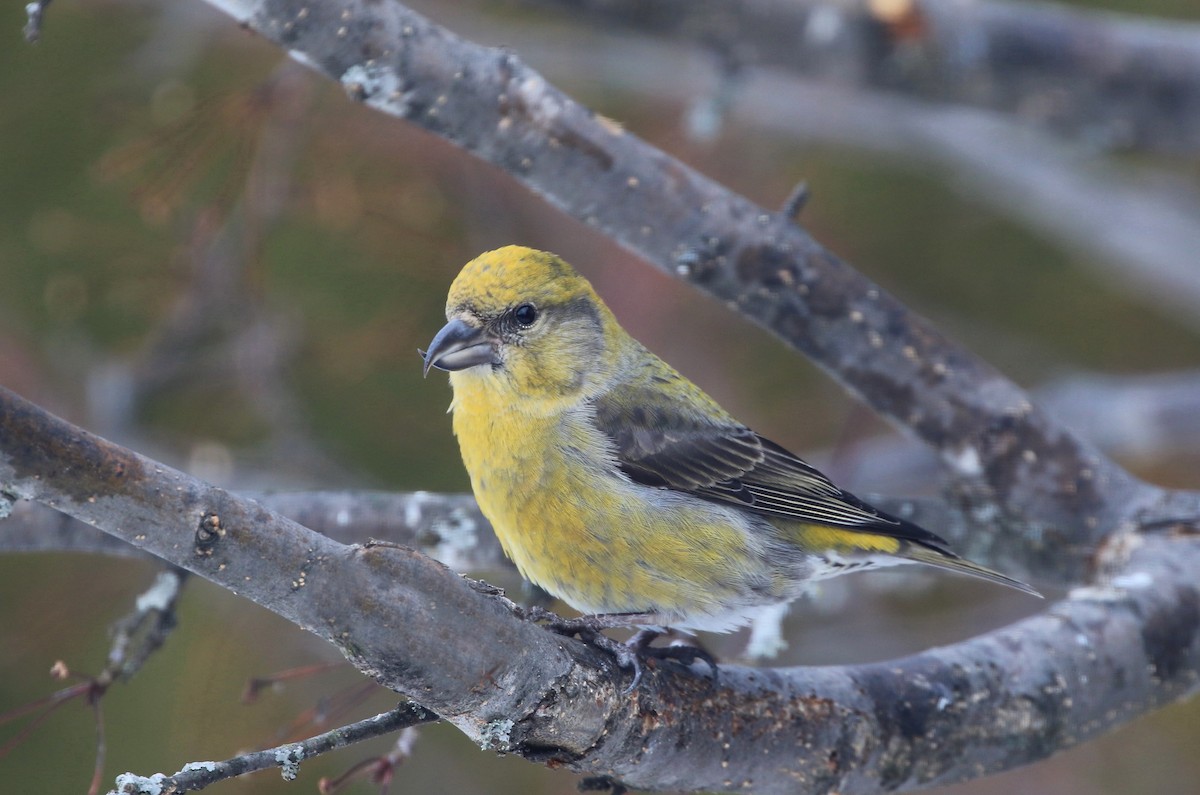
<point>578,528</point>
<point>540,504</point>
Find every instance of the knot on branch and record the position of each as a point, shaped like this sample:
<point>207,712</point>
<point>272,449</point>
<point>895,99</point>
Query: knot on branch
<point>208,533</point>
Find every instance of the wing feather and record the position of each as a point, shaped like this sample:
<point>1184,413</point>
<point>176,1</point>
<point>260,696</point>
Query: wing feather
<point>659,444</point>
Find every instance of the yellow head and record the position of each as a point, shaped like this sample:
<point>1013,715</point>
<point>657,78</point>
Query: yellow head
<point>524,320</point>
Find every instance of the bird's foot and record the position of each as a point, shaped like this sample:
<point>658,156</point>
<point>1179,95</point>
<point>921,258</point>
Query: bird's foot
<point>686,654</point>
<point>632,653</point>
<point>589,629</point>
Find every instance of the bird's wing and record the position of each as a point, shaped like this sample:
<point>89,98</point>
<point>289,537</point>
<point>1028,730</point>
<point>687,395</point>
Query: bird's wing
<point>664,443</point>
<point>682,440</point>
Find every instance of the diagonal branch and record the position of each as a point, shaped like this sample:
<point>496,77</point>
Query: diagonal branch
<point>287,757</point>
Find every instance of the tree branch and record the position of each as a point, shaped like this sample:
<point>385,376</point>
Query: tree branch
<point>1010,697</point>
<point>287,757</point>
<point>447,527</point>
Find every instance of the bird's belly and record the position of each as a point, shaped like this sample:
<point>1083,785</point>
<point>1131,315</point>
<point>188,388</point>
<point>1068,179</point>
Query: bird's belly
<point>606,545</point>
<point>576,526</point>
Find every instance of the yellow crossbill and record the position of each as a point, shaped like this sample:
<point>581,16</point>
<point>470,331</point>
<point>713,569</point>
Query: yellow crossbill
<point>620,487</point>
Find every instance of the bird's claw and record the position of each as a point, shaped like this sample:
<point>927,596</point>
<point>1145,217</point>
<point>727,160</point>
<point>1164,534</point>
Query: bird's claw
<point>684,655</point>
<point>632,652</point>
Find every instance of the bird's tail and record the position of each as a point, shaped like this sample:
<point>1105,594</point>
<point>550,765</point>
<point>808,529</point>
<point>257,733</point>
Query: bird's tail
<point>944,559</point>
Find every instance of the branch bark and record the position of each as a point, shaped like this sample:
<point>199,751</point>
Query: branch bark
<point>287,757</point>
<point>1090,662</point>
<point>447,527</point>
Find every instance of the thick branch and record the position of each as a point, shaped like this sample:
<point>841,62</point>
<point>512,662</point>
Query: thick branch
<point>1113,81</point>
<point>1004,699</point>
<point>327,588</point>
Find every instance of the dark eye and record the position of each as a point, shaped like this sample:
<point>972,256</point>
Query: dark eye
<point>525,315</point>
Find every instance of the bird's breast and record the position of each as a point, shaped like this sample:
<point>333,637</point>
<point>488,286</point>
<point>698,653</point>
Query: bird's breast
<point>576,526</point>
<point>547,486</point>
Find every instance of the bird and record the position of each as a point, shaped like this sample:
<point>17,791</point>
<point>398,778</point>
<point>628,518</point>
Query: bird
<point>618,486</point>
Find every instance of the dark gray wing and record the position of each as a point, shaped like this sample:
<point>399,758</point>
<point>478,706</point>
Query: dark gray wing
<point>661,444</point>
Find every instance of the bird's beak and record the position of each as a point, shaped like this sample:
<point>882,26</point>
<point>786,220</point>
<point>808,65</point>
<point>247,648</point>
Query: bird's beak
<point>459,346</point>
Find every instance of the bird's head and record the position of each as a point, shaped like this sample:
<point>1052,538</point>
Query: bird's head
<point>524,320</point>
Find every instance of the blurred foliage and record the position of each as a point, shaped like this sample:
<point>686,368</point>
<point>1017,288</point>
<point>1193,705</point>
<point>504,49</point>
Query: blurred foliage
<point>140,143</point>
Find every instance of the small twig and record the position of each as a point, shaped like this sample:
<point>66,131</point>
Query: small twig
<point>380,770</point>
<point>257,684</point>
<point>795,202</point>
<point>198,775</point>
<point>156,606</point>
<point>329,709</point>
<point>101,744</point>
<point>54,701</point>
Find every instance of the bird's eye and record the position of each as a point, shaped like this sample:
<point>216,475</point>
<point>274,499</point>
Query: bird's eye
<point>525,315</point>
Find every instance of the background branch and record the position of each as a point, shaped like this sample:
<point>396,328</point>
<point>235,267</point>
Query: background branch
<point>447,527</point>
<point>1133,223</point>
<point>288,757</point>
<point>1113,81</point>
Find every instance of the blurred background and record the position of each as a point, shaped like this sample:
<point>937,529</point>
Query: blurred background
<point>213,257</point>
